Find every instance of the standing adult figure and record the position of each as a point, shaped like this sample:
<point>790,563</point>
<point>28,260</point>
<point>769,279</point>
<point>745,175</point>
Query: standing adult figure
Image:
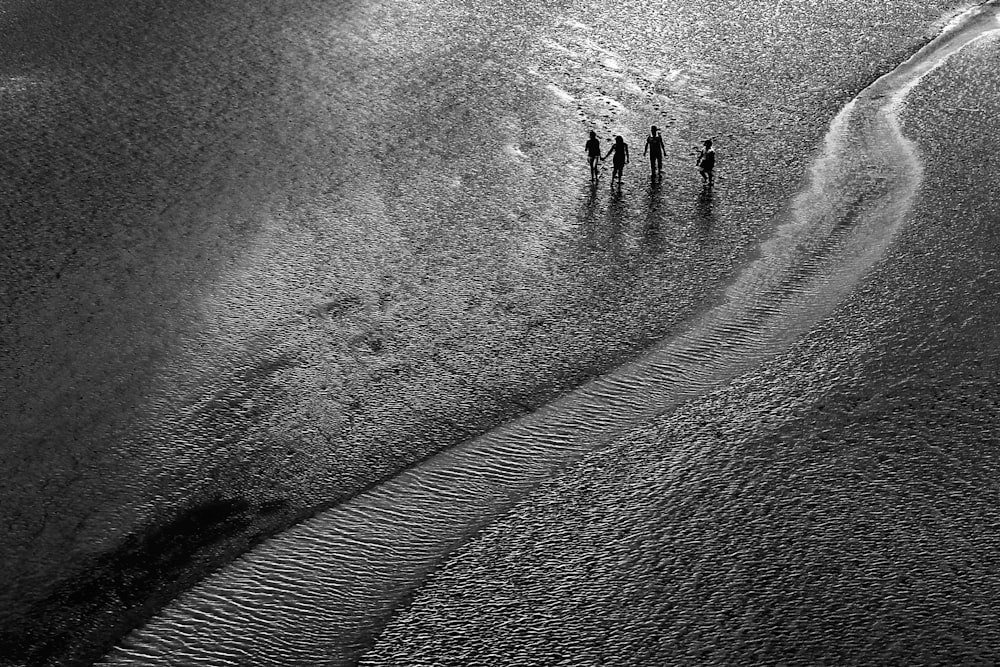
<point>706,162</point>
<point>620,149</point>
<point>593,149</point>
<point>654,147</point>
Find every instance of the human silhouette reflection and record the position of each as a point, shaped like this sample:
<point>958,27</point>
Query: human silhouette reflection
<point>591,196</point>
<point>704,209</point>
<point>590,201</point>
<point>616,209</point>
<point>653,205</point>
<point>601,218</point>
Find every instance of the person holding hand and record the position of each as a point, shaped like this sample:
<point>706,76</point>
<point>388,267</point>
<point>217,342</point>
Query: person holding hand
<point>620,149</point>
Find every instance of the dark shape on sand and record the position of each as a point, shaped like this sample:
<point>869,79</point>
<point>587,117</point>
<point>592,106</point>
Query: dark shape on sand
<point>706,162</point>
<point>653,210</point>
<point>145,572</point>
<point>593,148</point>
<point>703,209</point>
<point>620,149</point>
<point>654,147</point>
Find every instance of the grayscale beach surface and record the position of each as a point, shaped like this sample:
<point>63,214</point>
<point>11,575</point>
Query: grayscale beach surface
<point>257,259</point>
<point>838,506</point>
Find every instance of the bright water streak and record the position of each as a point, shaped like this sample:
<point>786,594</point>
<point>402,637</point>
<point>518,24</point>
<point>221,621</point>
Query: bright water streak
<point>316,594</point>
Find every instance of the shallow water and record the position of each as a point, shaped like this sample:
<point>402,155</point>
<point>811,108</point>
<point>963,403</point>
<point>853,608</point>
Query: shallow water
<point>315,594</point>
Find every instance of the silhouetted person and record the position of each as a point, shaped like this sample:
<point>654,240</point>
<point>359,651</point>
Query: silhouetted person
<point>654,146</point>
<point>620,149</point>
<point>593,148</point>
<point>706,162</point>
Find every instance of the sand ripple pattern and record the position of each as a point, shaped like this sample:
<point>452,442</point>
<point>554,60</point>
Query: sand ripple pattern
<point>318,593</point>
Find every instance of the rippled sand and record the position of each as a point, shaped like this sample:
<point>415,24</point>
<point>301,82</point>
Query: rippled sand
<point>837,506</point>
<point>259,258</point>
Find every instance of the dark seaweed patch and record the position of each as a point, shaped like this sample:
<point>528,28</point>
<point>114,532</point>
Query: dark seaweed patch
<point>131,583</point>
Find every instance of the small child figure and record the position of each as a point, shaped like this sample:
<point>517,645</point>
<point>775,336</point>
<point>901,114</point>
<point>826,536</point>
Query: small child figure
<point>706,162</point>
<point>620,149</point>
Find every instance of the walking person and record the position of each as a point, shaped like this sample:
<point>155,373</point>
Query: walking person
<point>620,149</point>
<point>706,162</point>
<point>654,147</point>
<point>593,149</point>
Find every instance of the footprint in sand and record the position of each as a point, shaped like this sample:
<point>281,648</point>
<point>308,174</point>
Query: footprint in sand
<point>607,91</point>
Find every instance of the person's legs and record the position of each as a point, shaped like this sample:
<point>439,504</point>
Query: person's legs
<point>659,163</point>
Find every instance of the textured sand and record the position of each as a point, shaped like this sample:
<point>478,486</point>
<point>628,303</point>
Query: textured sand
<point>257,258</point>
<point>837,507</point>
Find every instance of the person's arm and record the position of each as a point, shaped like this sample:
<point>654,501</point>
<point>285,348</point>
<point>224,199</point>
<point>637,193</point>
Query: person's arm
<point>646,147</point>
<point>610,151</point>
<point>626,154</point>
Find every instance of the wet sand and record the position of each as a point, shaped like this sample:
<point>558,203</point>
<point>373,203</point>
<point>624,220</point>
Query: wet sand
<point>225,315</point>
<point>838,506</point>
